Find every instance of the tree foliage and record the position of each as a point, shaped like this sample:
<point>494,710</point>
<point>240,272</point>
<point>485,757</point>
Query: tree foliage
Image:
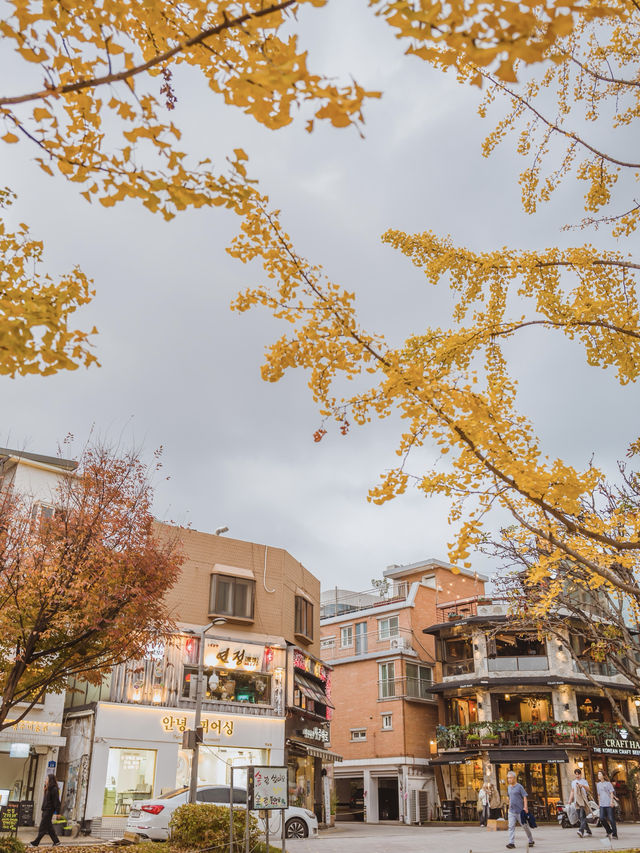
<point>83,589</point>
<point>97,94</point>
<point>453,387</point>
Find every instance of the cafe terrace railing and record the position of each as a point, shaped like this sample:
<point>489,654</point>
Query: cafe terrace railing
<point>506,733</point>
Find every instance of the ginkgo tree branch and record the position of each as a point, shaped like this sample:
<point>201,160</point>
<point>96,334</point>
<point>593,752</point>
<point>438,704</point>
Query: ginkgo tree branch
<point>571,524</point>
<point>159,59</point>
<point>601,77</point>
<point>553,126</point>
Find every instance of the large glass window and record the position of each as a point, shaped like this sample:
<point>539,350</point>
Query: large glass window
<point>130,774</point>
<point>228,685</point>
<point>462,711</point>
<point>231,596</point>
<point>419,681</point>
<point>510,645</point>
<point>458,656</point>
<point>304,617</point>
<point>521,707</point>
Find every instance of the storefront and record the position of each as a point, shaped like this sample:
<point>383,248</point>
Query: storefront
<point>28,751</point>
<point>538,771</point>
<point>619,758</point>
<point>137,754</point>
<point>307,734</point>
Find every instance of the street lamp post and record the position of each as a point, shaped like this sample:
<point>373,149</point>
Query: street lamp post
<point>198,712</point>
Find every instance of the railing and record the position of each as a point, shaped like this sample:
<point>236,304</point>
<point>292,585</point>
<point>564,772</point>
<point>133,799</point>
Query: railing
<point>594,667</point>
<point>405,688</point>
<point>373,642</point>
<point>524,663</point>
<point>461,667</point>
<point>501,733</point>
<point>460,609</point>
<point>358,601</point>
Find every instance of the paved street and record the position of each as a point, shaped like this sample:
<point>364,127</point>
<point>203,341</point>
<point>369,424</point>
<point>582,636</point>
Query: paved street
<point>382,838</point>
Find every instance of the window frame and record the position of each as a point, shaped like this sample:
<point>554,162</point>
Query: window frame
<point>388,634</point>
<point>303,618</point>
<point>237,583</point>
<point>386,716</point>
<point>387,686</point>
<point>349,643</point>
<point>354,735</point>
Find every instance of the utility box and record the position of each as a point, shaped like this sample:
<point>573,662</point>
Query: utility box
<point>191,737</point>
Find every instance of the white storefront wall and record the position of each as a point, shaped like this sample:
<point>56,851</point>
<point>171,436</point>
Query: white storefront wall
<point>159,729</point>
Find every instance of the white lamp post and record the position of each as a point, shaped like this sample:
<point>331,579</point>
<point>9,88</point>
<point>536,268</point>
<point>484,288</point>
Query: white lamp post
<point>198,714</point>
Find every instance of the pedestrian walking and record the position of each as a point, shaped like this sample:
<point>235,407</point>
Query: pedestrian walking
<point>50,808</point>
<point>483,804</point>
<point>495,805</point>
<point>607,802</point>
<point>581,794</point>
<point>518,799</point>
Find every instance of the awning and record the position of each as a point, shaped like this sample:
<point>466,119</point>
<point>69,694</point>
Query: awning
<point>305,749</point>
<point>310,690</point>
<point>528,756</point>
<point>460,758</point>
<point>324,754</point>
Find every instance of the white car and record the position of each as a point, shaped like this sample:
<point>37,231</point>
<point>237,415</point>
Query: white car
<point>150,818</point>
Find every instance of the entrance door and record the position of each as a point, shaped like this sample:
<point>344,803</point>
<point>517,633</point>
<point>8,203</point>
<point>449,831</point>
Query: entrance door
<point>361,638</point>
<point>388,799</point>
<point>541,781</point>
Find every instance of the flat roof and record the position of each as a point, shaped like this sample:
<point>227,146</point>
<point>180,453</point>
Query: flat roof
<point>433,563</point>
<point>54,461</point>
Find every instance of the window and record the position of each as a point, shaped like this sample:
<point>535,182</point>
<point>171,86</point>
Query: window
<point>388,628</point>
<point>387,680</point>
<point>231,596</point>
<point>224,685</point>
<point>304,617</point>
<point>346,637</point>
<point>510,645</point>
<point>419,681</point>
<point>387,722</point>
<point>358,734</point>
<point>130,775</point>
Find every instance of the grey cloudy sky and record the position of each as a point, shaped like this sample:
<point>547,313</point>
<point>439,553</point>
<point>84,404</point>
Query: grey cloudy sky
<point>180,370</point>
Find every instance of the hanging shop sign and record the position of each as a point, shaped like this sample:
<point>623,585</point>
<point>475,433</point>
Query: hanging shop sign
<point>237,656</point>
<point>306,664</point>
<point>316,733</point>
<point>621,745</point>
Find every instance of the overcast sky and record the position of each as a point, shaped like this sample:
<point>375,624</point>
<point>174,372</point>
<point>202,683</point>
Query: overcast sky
<point>180,370</point>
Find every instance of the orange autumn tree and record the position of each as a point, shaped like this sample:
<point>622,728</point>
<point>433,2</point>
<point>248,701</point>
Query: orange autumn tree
<point>81,590</point>
<point>93,95</point>
<point>453,387</point>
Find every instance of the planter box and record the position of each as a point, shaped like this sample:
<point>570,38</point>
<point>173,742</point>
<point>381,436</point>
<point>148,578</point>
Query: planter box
<point>497,824</point>
<point>490,741</point>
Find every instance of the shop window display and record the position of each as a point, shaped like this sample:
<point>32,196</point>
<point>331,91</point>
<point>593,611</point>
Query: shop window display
<point>229,685</point>
<point>214,765</point>
<point>301,770</point>
<point>130,775</point>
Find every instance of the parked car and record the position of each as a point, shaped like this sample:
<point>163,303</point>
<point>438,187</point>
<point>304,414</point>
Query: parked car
<point>150,818</point>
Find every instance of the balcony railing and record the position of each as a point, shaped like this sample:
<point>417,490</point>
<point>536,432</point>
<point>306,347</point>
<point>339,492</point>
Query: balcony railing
<point>594,667</point>
<point>502,733</point>
<point>405,688</point>
<point>524,663</point>
<point>460,667</point>
<point>373,642</point>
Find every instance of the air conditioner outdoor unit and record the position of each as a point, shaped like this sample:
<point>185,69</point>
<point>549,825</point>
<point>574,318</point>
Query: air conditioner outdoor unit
<point>396,643</point>
<point>418,807</point>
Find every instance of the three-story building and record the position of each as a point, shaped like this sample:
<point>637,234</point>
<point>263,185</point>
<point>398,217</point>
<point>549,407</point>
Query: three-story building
<point>261,657</point>
<point>382,680</point>
<point>512,701</point>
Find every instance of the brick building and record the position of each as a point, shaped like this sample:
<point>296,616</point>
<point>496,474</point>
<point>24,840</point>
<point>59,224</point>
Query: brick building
<point>124,737</point>
<point>382,663</point>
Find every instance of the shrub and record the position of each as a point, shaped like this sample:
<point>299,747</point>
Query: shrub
<point>197,825</point>
<point>11,845</point>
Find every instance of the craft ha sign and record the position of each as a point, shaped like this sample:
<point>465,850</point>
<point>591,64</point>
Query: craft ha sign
<point>621,745</point>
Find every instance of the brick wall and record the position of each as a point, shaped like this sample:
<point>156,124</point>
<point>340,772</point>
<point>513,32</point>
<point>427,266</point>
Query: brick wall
<point>188,601</point>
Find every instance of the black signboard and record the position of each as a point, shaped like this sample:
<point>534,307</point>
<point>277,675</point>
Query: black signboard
<point>9,818</point>
<point>25,813</point>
